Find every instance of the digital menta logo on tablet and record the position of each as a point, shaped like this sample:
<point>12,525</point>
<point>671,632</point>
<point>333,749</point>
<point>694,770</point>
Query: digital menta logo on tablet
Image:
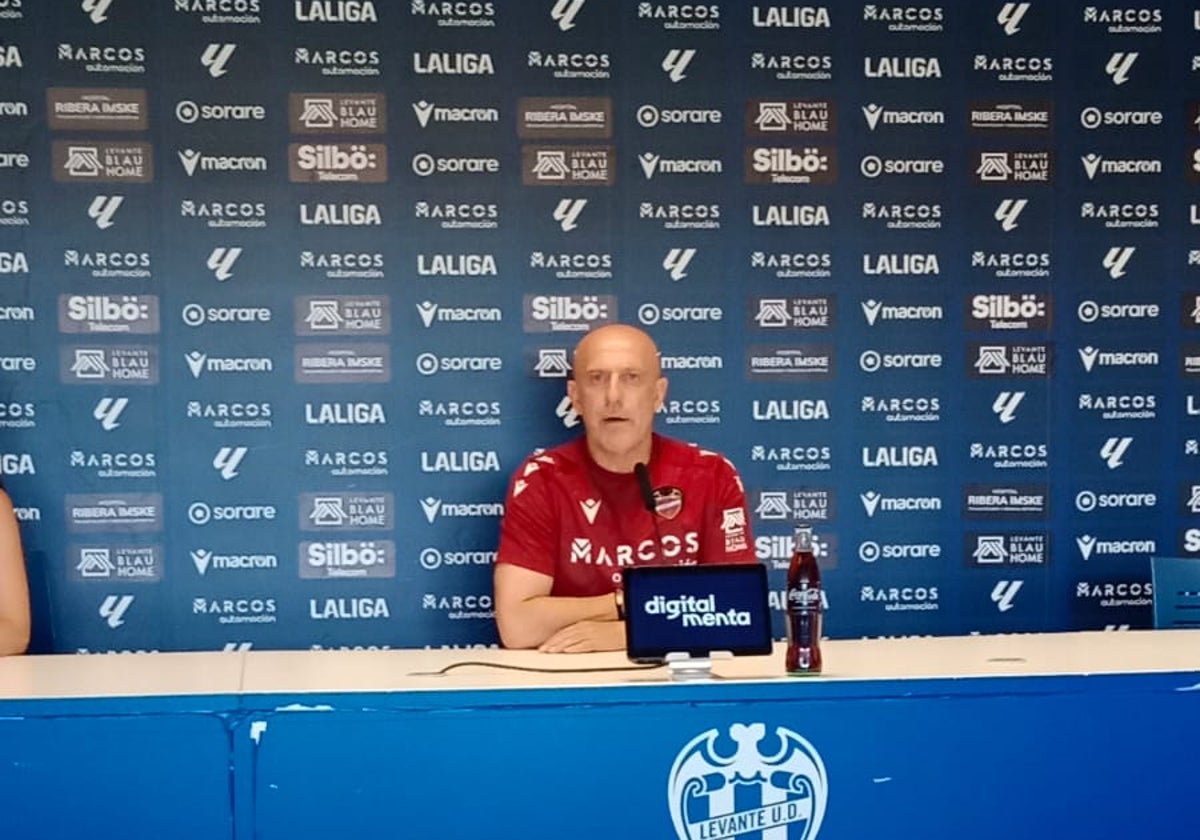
<point>697,610</point>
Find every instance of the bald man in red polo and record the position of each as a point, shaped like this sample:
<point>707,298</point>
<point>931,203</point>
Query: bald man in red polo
<point>575,515</point>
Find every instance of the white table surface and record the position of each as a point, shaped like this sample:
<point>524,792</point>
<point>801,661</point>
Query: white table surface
<point>300,672</point>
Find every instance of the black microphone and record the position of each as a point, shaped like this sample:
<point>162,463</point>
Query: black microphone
<point>643,479</point>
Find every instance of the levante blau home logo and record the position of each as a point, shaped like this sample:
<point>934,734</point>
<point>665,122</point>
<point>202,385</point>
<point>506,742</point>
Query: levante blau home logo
<point>771,786</point>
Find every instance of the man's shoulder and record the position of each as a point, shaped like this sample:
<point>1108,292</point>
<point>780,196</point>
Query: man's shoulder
<point>678,453</point>
<point>564,459</point>
<point>695,466</point>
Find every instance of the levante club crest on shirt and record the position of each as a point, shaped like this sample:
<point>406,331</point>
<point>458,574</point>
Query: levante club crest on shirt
<point>771,787</point>
<point>668,501</point>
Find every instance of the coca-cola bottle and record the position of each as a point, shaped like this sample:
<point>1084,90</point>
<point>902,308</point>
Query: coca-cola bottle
<point>803,607</point>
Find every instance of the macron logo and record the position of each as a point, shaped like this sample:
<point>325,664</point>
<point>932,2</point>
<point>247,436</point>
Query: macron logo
<point>189,158</point>
<point>427,311</point>
<point>870,502</point>
<point>423,110</point>
<point>649,164</point>
<point>1086,543</point>
<point>201,557</point>
<point>872,113</point>
<point>590,508</point>
<point>1088,355</point>
<point>431,506</point>
<point>870,310</point>
<point>195,362</point>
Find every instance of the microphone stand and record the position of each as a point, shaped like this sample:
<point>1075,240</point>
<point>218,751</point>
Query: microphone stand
<point>643,479</point>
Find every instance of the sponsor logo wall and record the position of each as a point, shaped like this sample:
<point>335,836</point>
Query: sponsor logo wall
<point>288,289</point>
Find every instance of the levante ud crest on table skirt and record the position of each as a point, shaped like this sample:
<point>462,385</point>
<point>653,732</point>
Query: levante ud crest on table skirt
<point>748,784</point>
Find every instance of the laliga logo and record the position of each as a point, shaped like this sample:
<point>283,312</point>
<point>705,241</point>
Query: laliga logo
<point>220,262</point>
<point>96,10</point>
<point>103,208</point>
<point>1005,406</point>
<point>567,212</point>
<point>1116,259</point>
<point>1010,17</point>
<point>1119,65</point>
<point>1113,451</point>
<point>113,608</point>
<point>676,63</point>
<point>676,262</point>
<point>779,781</point>
<point>1009,211</point>
<point>108,412</point>
<point>228,459</point>
<point>1004,592</point>
<point>564,12</point>
<point>566,412</point>
<point>215,57</point>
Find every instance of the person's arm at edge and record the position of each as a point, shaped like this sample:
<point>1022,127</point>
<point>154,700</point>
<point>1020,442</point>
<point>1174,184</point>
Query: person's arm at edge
<point>528,616</point>
<point>14,586</point>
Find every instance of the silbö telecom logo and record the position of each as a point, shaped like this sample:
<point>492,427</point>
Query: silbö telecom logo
<point>771,785</point>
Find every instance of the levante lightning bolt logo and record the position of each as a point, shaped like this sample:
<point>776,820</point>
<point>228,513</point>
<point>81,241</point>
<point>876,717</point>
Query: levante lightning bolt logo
<point>771,787</point>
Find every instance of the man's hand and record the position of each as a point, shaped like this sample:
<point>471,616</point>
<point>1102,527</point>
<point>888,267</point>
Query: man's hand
<point>586,636</point>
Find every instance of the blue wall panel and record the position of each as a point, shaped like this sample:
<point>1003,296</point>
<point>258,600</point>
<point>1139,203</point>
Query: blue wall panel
<point>929,171</point>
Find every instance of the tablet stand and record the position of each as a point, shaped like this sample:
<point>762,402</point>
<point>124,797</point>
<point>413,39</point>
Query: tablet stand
<point>684,667</point>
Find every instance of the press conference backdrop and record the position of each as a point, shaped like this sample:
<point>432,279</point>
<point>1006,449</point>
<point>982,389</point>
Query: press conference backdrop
<point>288,290</point>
